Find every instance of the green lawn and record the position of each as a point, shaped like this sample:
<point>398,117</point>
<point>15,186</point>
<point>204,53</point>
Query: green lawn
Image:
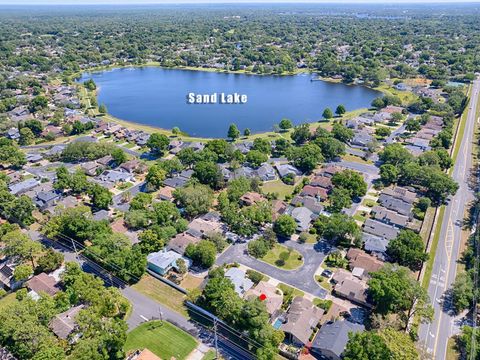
<point>283,257</point>
<point>210,355</point>
<point>278,186</point>
<point>162,293</point>
<point>162,338</point>
<point>433,249</point>
<point>7,300</point>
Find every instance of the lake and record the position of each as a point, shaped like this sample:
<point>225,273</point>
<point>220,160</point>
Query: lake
<point>159,97</point>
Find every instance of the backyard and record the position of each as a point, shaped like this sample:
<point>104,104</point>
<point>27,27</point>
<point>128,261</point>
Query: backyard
<point>162,338</point>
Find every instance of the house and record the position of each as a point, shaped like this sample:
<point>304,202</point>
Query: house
<point>301,319</point>
<point>22,187</point>
<point>285,169</point>
<point>322,181</point>
<point>314,191</point>
<point>200,227</point>
<point>42,283</point>
<point>20,113</point>
<point>422,144</point>
<point>133,166</point>
<point>361,139</point>
<point>162,262</point>
<point>311,203</point>
<point>268,294</point>
<point>303,217</point>
<point>101,215</point>
<point>6,355</point>
<point>331,340</point>
<point>266,172</point>
<point>55,150</point>
<point>395,204</point>
<point>389,217</point>
<point>401,193</point>
<point>90,168</point>
<point>46,199</point>
<point>251,198</point>
<point>360,259</point>
<point>105,161</point>
<point>375,244</point>
<point>7,280</point>
<point>180,242</point>
<point>278,208</point>
<point>380,229</point>
<point>329,171</point>
<point>238,277</point>
<point>115,176</point>
<point>33,157</point>
<point>13,133</point>
<point>64,323</point>
<point>166,193</point>
<point>349,287</point>
<point>244,147</point>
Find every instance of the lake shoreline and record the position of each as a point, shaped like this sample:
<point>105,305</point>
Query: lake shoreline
<point>167,131</point>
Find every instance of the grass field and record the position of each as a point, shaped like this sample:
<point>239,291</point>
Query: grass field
<point>210,355</point>
<point>161,338</point>
<point>283,257</point>
<point>433,248</point>
<point>279,187</point>
<point>452,352</point>
<point>162,293</point>
<point>290,290</point>
<point>6,301</point>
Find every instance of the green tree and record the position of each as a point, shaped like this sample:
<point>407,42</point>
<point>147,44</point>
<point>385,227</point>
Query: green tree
<point>26,136</point>
<point>155,176</point>
<point>462,292</point>
<point>340,110</point>
<point>407,249</point>
<point>331,148</point>
<point>256,158</point>
<point>382,132</point>
<point>246,132</point>
<point>158,143</point>
<point>351,181</point>
<point>307,157</point>
<point>50,261</point>
<point>90,84</point>
<point>285,124</point>
<point>102,109</point>
<point>141,201</point>
<point>339,199</point>
<point>208,173</point>
<point>202,254</point>
<point>195,199</point>
<point>233,132</point>
<point>395,154</point>
<point>22,272</point>
<point>400,345</point>
<point>284,226</point>
<point>338,228</point>
<point>101,197</point>
<point>327,114</point>
<point>366,345</point>
<point>301,134</point>
<point>19,245</point>
<point>342,133</point>
<point>388,174</point>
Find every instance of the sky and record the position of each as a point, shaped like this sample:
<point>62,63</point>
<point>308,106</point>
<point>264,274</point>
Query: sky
<point>127,2</point>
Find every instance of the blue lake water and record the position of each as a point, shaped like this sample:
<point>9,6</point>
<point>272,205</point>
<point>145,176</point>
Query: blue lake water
<point>158,97</point>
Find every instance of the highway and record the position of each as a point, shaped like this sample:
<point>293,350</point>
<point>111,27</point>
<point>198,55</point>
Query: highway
<point>434,336</point>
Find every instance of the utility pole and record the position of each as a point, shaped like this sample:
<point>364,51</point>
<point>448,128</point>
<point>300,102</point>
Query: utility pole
<point>215,337</point>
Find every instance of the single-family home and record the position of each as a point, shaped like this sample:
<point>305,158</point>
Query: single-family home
<point>200,227</point>
<point>314,191</point>
<point>180,242</point>
<point>375,244</point>
<point>285,169</point>
<point>378,228</point>
<point>166,193</point>
<point>162,262</point>
<point>266,172</point>
<point>42,283</point>
<point>115,176</point>
<point>389,217</point>
<point>13,133</point>
<point>46,199</point>
<point>268,294</point>
<point>7,280</point>
<point>360,259</point>
<point>23,187</point>
<point>251,198</point>
<point>65,323</point>
<point>239,279</point>
<point>395,204</point>
<point>303,217</point>
<point>322,181</point>
<point>350,287</point>
<point>331,340</point>
<point>311,203</point>
<point>401,193</point>
<point>301,319</point>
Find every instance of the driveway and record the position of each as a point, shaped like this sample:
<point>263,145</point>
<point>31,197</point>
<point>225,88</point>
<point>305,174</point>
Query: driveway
<point>302,278</point>
<point>117,199</point>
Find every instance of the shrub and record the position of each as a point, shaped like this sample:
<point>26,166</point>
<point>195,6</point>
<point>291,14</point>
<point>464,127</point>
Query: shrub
<point>255,276</point>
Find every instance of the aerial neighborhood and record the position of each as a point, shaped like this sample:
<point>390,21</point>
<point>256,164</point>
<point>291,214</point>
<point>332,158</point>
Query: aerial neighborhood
<point>313,240</point>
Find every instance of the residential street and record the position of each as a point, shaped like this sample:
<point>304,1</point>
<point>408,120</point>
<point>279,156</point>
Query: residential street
<point>302,278</point>
<point>434,336</point>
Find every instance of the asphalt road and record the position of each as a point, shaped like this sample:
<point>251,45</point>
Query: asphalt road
<point>302,278</point>
<point>434,336</point>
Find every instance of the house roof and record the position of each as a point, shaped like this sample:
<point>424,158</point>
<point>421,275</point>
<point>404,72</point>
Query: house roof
<point>322,181</point>
<point>353,289</point>
<point>180,242</point>
<point>401,193</point>
<point>199,227</point>
<point>389,216</point>
<point>166,193</point>
<point>238,277</point>
<point>360,259</point>
<point>43,283</point>
<point>333,337</point>
<point>315,191</point>
<point>395,204</point>
<point>64,323</point>
<point>374,243</point>
<point>23,186</point>
<point>285,169</point>
<point>302,318</point>
<point>251,198</point>
<point>268,294</point>
<point>163,259</point>
<point>144,354</point>
<point>378,228</point>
